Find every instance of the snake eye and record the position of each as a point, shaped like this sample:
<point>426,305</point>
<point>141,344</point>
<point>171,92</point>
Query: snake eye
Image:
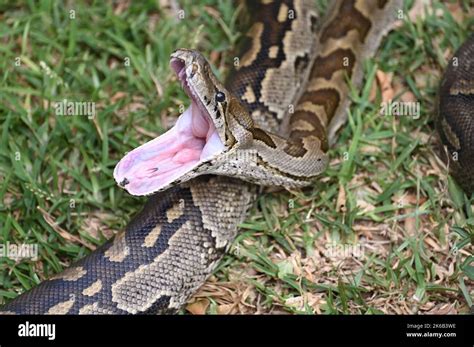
<point>220,97</point>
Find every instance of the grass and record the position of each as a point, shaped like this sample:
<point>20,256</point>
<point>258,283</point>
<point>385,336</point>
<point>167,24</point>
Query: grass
<point>384,231</point>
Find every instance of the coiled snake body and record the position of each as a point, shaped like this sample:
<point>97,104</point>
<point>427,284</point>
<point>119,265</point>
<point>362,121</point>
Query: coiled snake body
<point>289,73</point>
<point>455,121</point>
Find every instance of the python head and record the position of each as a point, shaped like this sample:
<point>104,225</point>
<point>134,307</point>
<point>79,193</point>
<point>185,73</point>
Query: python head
<point>216,135</point>
<point>200,136</point>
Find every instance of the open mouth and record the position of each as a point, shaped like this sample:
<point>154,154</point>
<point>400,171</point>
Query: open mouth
<point>160,162</point>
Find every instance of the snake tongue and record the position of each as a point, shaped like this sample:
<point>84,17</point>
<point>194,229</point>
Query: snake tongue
<point>160,162</point>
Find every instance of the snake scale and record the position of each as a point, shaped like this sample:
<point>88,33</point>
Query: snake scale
<point>455,121</point>
<point>288,95</point>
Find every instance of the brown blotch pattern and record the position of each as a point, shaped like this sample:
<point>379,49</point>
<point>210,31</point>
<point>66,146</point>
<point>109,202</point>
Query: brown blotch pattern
<point>325,67</point>
<point>348,18</point>
<point>319,131</point>
<point>328,98</point>
<point>259,134</point>
<point>256,34</point>
<point>295,148</point>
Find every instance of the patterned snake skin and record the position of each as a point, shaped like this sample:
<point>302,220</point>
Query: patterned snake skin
<point>171,247</point>
<point>455,122</point>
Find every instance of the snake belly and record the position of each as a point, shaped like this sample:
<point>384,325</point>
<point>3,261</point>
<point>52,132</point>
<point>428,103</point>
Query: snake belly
<point>455,121</point>
<point>169,249</point>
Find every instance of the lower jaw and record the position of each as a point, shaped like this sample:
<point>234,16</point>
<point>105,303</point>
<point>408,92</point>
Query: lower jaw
<point>160,162</point>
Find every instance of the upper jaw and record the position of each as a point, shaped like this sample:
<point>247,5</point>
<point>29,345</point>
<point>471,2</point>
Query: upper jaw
<point>180,64</point>
<point>186,63</point>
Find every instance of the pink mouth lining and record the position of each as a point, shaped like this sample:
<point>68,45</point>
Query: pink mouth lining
<point>161,161</point>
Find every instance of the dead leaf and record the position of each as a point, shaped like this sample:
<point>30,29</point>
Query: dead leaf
<point>364,206</point>
<point>341,199</point>
<point>418,10</point>
<point>95,227</point>
<point>456,10</point>
<point>120,7</point>
<point>64,234</point>
<point>198,307</point>
<point>443,309</point>
<point>225,308</point>
<point>385,83</point>
<point>410,223</point>
<point>117,96</point>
